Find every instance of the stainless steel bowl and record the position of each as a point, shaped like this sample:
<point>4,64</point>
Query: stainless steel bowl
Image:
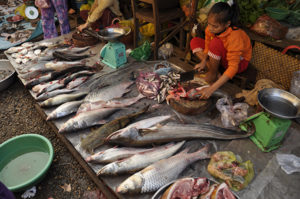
<point>9,79</point>
<point>279,103</point>
<point>111,34</point>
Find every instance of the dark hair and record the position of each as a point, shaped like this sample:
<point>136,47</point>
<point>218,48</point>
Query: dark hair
<point>226,13</point>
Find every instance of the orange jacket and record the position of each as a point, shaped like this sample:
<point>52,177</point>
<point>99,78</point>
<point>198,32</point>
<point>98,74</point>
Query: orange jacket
<point>238,45</point>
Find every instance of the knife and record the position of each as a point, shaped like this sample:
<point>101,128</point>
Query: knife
<point>186,76</point>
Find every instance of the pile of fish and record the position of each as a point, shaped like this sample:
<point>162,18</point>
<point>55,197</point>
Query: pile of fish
<point>155,86</point>
<point>98,105</point>
<point>152,167</point>
<point>161,172</point>
<point>167,82</point>
<point>46,51</point>
<point>140,160</point>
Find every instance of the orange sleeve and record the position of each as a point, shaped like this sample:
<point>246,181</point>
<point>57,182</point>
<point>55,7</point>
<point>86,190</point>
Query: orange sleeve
<point>234,52</point>
<point>208,38</point>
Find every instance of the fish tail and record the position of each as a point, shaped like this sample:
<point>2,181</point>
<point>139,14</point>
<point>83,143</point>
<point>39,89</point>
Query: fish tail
<point>203,152</point>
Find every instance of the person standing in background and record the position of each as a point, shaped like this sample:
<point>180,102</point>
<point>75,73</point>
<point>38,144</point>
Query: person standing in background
<point>101,14</point>
<point>48,22</point>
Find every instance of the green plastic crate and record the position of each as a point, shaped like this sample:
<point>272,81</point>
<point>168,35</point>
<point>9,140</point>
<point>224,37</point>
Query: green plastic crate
<point>269,130</point>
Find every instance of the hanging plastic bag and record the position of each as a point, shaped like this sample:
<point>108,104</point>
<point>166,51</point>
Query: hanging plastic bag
<point>142,53</point>
<point>232,115</point>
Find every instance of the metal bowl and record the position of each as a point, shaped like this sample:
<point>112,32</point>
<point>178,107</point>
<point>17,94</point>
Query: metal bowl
<point>9,79</point>
<point>279,103</point>
<point>111,34</point>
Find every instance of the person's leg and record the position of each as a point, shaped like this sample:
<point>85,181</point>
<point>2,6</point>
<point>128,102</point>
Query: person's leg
<point>62,15</point>
<point>48,22</point>
<point>5,192</point>
<point>197,45</point>
<point>216,53</point>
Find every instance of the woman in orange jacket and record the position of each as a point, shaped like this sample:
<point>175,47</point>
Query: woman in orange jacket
<point>224,44</point>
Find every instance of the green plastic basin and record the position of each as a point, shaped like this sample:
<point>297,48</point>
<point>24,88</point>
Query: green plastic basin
<point>277,13</point>
<point>24,161</point>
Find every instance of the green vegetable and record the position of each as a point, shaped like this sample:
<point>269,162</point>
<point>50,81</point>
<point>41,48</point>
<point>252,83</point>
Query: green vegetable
<point>250,10</point>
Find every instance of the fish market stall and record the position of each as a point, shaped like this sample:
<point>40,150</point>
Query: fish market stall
<point>114,87</point>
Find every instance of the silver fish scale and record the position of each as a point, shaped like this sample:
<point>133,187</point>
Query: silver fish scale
<point>162,173</point>
<point>166,170</point>
<point>105,94</point>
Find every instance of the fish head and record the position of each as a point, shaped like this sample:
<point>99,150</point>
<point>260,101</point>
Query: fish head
<point>109,169</point>
<point>133,184</point>
<point>125,136</point>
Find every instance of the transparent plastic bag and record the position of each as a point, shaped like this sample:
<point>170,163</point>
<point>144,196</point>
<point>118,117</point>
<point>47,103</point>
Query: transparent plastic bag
<point>232,114</point>
<point>289,163</point>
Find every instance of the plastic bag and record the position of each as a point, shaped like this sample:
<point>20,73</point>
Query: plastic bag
<point>147,30</point>
<point>228,167</point>
<point>162,68</point>
<point>21,10</point>
<point>42,3</point>
<point>142,53</point>
<point>267,26</point>
<point>165,51</point>
<point>148,84</point>
<point>289,163</point>
<point>232,115</point>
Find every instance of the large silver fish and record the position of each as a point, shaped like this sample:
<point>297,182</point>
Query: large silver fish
<point>175,132</point>
<point>62,65</point>
<point>47,95</point>
<point>160,173</point>
<point>39,79</point>
<point>121,102</point>
<point>74,49</point>
<point>140,160</point>
<point>87,119</point>
<point>77,74</point>
<point>109,92</point>
<point>146,123</point>
<point>40,87</point>
<point>64,109</point>
<point>76,82</point>
<point>60,99</point>
<point>114,154</point>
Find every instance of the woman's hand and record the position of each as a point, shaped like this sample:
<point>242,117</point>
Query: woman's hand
<point>201,66</point>
<point>82,26</point>
<point>206,92</point>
